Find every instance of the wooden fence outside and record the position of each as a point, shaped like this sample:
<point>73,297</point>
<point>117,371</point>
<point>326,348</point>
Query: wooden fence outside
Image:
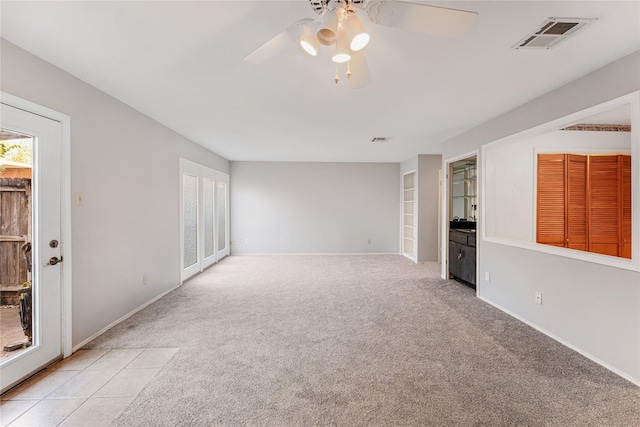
<point>15,230</point>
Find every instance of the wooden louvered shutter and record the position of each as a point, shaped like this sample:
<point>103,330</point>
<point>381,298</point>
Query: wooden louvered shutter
<point>604,193</point>
<point>551,201</point>
<point>576,201</point>
<point>625,190</point>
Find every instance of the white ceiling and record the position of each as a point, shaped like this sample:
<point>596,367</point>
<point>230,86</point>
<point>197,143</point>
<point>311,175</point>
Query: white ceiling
<point>181,63</point>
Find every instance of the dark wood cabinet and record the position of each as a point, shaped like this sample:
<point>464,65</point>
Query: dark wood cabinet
<point>462,255</point>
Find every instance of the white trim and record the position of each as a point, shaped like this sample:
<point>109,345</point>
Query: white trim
<point>125,317</point>
<point>633,99</point>
<point>320,254</point>
<point>67,271</point>
<point>586,354</point>
<point>65,211</point>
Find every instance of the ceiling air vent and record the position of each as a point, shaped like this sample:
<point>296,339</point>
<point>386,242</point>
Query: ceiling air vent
<point>380,139</point>
<point>552,32</point>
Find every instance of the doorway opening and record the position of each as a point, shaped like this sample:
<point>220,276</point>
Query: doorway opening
<point>35,238</point>
<point>462,219</point>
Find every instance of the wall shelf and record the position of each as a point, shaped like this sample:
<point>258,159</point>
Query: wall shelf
<point>409,215</point>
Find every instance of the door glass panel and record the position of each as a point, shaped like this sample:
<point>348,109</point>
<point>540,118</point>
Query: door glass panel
<point>190,215</point>
<point>222,216</point>
<point>208,214</point>
<point>16,161</point>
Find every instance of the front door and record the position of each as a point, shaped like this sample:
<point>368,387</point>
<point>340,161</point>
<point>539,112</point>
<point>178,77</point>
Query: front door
<point>41,139</point>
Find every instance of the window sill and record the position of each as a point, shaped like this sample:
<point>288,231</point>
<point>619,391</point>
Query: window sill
<point>610,261</point>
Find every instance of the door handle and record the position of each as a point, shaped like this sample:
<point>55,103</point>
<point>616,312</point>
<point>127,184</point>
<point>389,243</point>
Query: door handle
<point>54,260</point>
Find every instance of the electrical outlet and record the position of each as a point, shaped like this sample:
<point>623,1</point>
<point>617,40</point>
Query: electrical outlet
<point>145,280</point>
<point>539,297</point>
<point>487,276</point>
<point>247,241</point>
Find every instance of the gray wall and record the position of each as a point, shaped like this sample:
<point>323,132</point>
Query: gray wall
<point>126,166</point>
<point>314,207</point>
<point>591,307</point>
<point>428,193</point>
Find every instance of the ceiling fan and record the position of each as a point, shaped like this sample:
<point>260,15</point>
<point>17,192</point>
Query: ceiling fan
<point>339,26</point>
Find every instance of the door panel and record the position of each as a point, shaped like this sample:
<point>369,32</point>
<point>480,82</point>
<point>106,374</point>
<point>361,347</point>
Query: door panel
<point>551,201</point>
<point>604,204</point>
<point>222,214</point>
<point>208,221</point>
<point>46,228</point>
<point>190,228</point>
<point>577,202</point>
<point>625,250</point>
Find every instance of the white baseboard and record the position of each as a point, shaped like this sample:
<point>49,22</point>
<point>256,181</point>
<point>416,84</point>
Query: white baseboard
<point>126,316</point>
<point>586,354</point>
<point>316,253</point>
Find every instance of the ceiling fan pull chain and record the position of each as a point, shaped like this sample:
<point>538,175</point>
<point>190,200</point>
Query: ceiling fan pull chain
<point>348,69</point>
<point>336,78</point>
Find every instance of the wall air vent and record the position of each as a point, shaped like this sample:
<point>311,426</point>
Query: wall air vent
<point>552,32</point>
<point>380,139</point>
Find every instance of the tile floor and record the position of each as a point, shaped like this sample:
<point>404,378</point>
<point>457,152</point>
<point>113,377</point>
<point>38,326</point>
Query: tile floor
<point>90,388</point>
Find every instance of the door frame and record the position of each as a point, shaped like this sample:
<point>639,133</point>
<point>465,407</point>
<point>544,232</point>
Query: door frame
<point>65,210</point>
<point>445,210</point>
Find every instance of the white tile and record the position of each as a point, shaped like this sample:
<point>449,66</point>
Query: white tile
<point>127,382</point>
<point>40,386</point>
<point>79,360</point>
<point>115,359</point>
<point>97,412</point>
<point>12,409</point>
<point>85,384</point>
<point>152,358</point>
<point>48,413</point>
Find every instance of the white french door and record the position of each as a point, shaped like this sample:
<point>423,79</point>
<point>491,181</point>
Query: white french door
<point>204,202</point>
<point>44,235</point>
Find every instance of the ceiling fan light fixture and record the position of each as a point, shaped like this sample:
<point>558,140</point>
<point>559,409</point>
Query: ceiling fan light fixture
<point>342,47</point>
<point>328,29</point>
<point>359,35</point>
<point>308,42</point>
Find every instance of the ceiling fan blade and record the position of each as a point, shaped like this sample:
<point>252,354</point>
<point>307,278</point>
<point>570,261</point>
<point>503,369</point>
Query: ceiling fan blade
<point>421,18</point>
<point>276,44</point>
<point>360,76</point>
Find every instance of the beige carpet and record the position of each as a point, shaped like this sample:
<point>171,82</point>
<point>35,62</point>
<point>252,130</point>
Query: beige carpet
<point>355,340</point>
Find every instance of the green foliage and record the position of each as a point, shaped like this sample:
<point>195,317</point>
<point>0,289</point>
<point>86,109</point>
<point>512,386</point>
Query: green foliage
<point>16,152</point>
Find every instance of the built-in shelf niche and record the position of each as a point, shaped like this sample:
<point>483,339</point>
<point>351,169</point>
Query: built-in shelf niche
<point>409,211</point>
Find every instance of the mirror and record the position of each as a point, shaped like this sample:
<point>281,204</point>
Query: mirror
<point>464,203</point>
